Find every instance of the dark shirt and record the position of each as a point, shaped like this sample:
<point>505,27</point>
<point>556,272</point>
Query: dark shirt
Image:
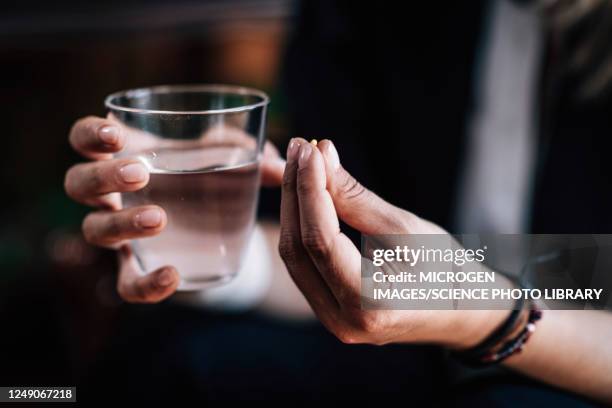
<point>392,85</point>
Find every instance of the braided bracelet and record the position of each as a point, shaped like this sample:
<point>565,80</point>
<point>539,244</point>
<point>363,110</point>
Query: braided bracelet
<point>480,356</point>
<point>516,344</point>
<point>495,338</point>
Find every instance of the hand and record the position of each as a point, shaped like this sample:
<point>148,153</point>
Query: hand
<point>98,184</point>
<point>326,266</point>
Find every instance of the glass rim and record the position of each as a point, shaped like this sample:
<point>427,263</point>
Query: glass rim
<point>162,89</point>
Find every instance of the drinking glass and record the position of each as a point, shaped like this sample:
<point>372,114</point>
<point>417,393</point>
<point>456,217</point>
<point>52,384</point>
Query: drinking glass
<point>202,146</point>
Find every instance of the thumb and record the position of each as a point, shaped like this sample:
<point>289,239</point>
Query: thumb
<point>272,167</point>
<point>356,205</point>
<point>135,287</point>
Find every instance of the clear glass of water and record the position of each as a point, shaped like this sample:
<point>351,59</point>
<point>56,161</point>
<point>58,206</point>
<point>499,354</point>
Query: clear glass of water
<point>202,145</point>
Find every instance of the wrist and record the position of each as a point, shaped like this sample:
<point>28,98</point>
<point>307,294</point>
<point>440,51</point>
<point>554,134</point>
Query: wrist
<point>467,328</point>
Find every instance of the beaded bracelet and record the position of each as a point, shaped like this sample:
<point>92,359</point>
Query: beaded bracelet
<point>479,356</point>
<point>516,344</point>
<point>508,327</point>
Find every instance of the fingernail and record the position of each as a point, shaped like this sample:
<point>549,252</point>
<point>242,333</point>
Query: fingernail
<point>292,150</point>
<point>305,151</point>
<point>149,218</point>
<point>133,173</point>
<point>109,134</point>
<point>332,155</point>
<point>165,278</point>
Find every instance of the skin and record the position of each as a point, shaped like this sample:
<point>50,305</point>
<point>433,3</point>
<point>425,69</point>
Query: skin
<point>324,264</point>
<point>97,183</point>
<point>570,349</point>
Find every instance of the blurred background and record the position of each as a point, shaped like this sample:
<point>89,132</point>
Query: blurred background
<point>58,304</point>
<point>485,116</point>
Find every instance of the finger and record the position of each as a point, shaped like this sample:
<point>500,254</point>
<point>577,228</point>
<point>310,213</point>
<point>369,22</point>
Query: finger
<point>96,138</point>
<point>356,205</point>
<point>86,182</point>
<point>110,228</point>
<point>270,150</point>
<point>272,169</point>
<point>135,287</point>
<point>299,264</point>
<point>334,255</point>
<point>272,166</point>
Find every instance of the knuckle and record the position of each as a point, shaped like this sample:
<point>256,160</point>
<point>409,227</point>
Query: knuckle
<point>314,243</point>
<point>350,188</point>
<point>367,323</point>
<point>288,248</point>
<point>113,227</point>
<point>96,179</point>
<point>89,231</point>
<point>288,184</point>
<point>102,233</point>
<point>304,184</point>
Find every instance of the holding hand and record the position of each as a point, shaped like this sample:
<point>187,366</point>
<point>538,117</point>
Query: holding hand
<point>99,182</point>
<point>326,266</point>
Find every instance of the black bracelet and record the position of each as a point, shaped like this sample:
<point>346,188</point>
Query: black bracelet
<point>473,355</point>
<point>516,344</point>
<point>509,347</point>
